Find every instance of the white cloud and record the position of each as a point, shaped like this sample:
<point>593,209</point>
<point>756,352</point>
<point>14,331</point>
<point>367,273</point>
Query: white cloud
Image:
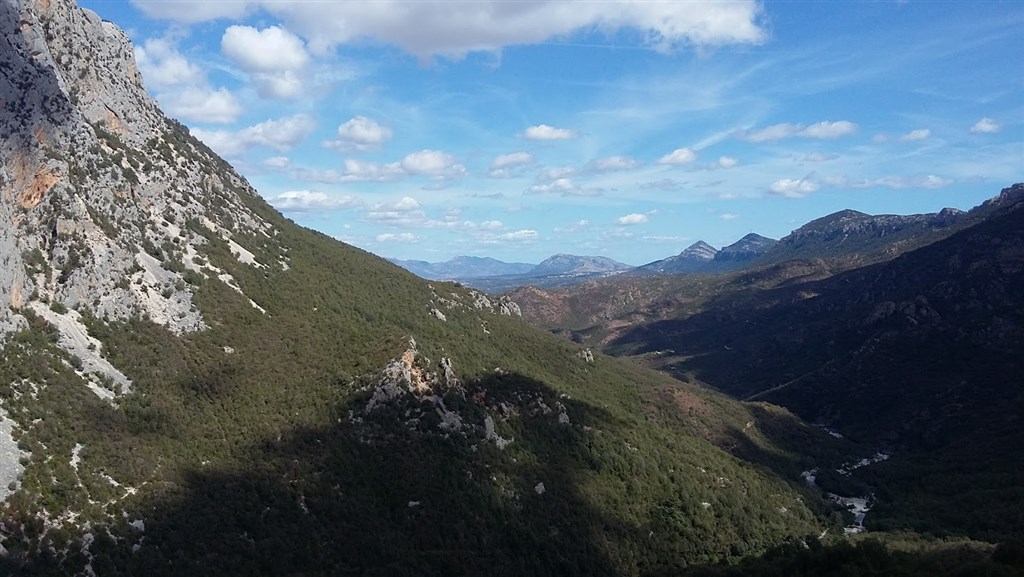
<point>396,237</point>
<point>359,171</point>
<point>281,135</point>
<point>725,162</point>
<point>277,162</point>
<point>545,132</point>
<point>728,216</point>
<point>272,49</point>
<point>574,227</point>
<point>820,130</point>
<point>635,218</point>
<point>164,67</point>
<point>829,130</point>
<point>557,185</point>
<point>791,188</point>
<point>438,27</point>
<point>678,156</point>
<point>305,200</point>
<point>202,105</point>
<point>403,213</point>
<point>360,133</point>
<point>525,234</point>
<point>986,126</point>
<point>929,181</point>
<point>507,165</point>
<point>614,163</point>
<point>279,85</point>
<point>492,225</point>
<point>919,134</point>
<point>433,163</point>
<point>273,58</point>
<point>181,87</point>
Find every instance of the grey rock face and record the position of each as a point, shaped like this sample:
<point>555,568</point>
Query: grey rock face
<point>104,202</point>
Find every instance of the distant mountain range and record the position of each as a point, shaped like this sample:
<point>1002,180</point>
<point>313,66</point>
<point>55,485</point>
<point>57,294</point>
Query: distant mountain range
<point>858,237</point>
<point>463,267</point>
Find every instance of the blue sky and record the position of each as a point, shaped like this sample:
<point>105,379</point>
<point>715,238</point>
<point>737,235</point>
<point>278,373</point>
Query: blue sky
<point>520,129</point>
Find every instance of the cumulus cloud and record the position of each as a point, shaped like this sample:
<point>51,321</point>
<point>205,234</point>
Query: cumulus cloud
<point>272,57</point>
<point>277,162</point>
<point>791,188</point>
<point>437,27</point>
<point>403,213</point>
<point>507,165</point>
<point>725,162</point>
<point>360,134</point>
<point>635,218</point>
<point>986,126</point>
<point>272,49</point>
<point>433,163</point>
<point>820,130</point>
<point>829,130</point>
<point>202,104</point>
<point>545,132</point>
<point>563,185</point>
<point>359,171</point>
<point>613,163</point>
<point>524,234</point>
<point>919,134</point>
<point>306,201</point>
<point>163,66</point>
<point>181,87</point>
<point>396,237</point>
<point>281,135</point>
<point>678,156</point>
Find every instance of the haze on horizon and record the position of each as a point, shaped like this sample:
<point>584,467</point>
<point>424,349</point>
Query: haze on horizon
<point>627,129</point>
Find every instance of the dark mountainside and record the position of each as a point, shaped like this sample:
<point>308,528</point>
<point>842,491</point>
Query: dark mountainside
<point>193,385</point>
<point>918,355</point>
<point>695,258</point>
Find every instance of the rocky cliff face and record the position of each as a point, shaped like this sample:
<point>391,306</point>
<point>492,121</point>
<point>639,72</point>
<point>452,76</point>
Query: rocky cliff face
<point>107,206</point>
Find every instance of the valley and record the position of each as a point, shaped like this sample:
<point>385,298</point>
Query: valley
<point>193,384</point>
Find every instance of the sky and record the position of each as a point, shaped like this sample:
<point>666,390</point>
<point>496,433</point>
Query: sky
<point>518,129</point>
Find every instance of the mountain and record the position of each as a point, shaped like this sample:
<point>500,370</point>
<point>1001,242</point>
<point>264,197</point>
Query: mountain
<point>850,232</point>
<point>917,355</point>
<point>745,249</point>
<point>463,268</point>
<point>573,265</point>
<point>557,270</point>
<point>697,257</point>
<point>191,384</point>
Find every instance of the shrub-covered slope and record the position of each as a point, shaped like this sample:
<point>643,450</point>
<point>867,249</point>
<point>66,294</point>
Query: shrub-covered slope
<point>191,384</point>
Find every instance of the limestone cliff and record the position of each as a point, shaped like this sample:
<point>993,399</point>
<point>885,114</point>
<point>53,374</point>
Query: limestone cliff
<point>106,204</point>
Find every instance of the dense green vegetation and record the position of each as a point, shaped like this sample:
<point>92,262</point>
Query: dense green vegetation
<point>247,448</point>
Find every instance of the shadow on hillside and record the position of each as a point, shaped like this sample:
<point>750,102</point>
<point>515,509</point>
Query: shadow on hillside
<point>374,498</point>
